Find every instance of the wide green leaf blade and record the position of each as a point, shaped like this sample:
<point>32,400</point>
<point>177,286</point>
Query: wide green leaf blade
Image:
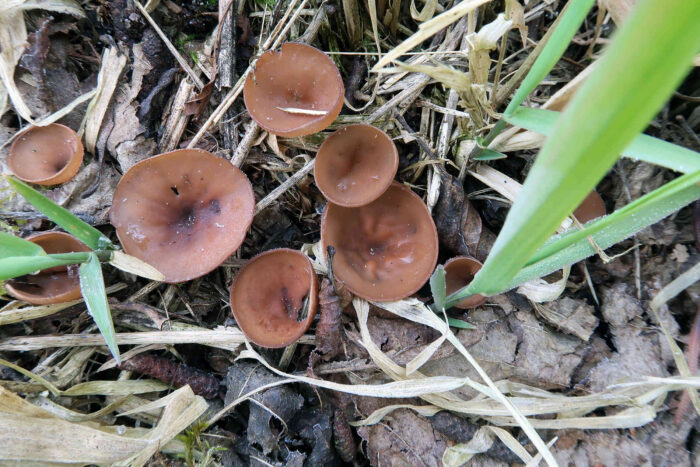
<point>643,147</point>
<point>614,104</point>
<point>93,288</point>
<point>571,19</point>
<point>82,230</point>
<point>11,245</point>
<point>15,266</point>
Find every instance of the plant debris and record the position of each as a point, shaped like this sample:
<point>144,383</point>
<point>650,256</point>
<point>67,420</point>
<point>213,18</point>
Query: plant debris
<point>174,373</point>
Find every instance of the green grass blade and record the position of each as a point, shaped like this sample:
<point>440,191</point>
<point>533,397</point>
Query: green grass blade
<point>82,230</point>
<point>460,324</point>
<point>489,155</point>
<point>15,266</point>
<point>93,288</point>
<point>643,147</point>
<point>608,235</point>
<point>634,209</point>
<point>571,19</point>
<point>438,287</point>
<point>11,245</point>
<point>614,104</point>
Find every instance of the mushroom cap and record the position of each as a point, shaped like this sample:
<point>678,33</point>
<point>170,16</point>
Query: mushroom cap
<point>355,165</point>
<point>54,285</point>
<point>459,271</point>
<point>384,250</point>
<point>298,76</point>
<point>183,212</point>
<point>592,207</point>
<point>46,155</point>
<point>268,295</point>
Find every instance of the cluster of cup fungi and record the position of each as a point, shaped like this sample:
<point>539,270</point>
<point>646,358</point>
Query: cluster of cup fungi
<point>186,211</point>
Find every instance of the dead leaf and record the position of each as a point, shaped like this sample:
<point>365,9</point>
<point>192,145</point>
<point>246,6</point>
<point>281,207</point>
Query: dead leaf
<point>197,105</point>
<point>458,224</point>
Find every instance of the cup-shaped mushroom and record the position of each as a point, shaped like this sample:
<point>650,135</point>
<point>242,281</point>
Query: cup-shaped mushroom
<point>46,155</point>
<point>295,91</point>
<point>274,297</point>
<point>592,207</point>
<point>355,165</point>
<point>459,272</point>
<point>384,250</point>
<point>183,212</point>
<point>54,285</point>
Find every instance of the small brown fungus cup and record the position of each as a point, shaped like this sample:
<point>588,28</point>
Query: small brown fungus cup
<point>459,272</point>
<point>592,207</point>
<point>385,250</point>
<point>46,155</point>
<point>355,165</point>
<point>274,297</point>
<point>54,285</point>
<point>183,212</point>
<point>295,91</point>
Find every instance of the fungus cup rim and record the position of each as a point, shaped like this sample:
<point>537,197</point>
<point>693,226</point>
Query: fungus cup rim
<point>312,303</point>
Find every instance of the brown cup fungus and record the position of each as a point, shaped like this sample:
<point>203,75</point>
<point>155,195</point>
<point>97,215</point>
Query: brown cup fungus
<point>592,207</point>
<point>183,212</point>
<point>385,250</point>
<point>293,92</point>
<point>46,155</point>
<point>355,165</point>
<point>459,272</point>
<point>274,297</point>
<point>54,285</point>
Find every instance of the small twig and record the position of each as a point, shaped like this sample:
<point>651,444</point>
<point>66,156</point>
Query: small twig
<point>424,146</point>
<point>287,355</point>
<point>330,254</point>
<point>243,147</point>
<point>637,257</point>
<point>183,63</point>
<point>286,185</point>
<point>442,110</point>
<point>321,15</point>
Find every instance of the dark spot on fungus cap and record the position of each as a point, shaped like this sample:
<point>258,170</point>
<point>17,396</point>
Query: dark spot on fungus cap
<point>459,272</point>
<point>297,77</point>
<point>385,250</point>
<point>274,297</point>
<point>355,165</point>
<point>46,155</point>
<point>592,207</point>
<point>55,285</point>
<point>183,212</point>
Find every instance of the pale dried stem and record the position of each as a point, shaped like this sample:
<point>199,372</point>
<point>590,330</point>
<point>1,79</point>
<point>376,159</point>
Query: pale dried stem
<point>286,185</point>
<point>223,338</point>
<point>241,152</point>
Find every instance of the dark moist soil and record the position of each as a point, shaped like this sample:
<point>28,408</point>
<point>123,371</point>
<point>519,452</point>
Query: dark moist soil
<point>603,338</point>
